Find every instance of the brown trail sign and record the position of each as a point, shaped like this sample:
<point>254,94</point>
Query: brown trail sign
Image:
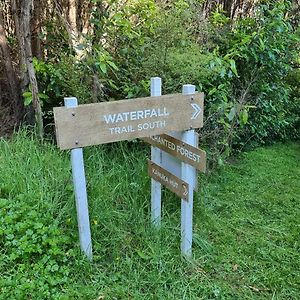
<point>183,151</point>
<point>173,183</point>
<point>99,123</point>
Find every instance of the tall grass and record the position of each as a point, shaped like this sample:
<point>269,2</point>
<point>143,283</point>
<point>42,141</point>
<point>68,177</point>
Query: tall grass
<point>246,227</point>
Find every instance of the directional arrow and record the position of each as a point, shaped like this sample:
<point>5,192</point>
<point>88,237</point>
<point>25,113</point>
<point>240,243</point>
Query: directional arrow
<point>197,109</point>
<point>186,191</point>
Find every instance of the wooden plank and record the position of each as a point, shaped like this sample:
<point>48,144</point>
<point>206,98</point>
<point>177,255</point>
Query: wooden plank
<point>100,123</point>
<point>173,183</point>
<point>173,164</point>
<point>183,151</point>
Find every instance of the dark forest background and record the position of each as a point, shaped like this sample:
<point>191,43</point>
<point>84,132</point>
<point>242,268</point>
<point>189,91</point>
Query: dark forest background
<point>244,55</point>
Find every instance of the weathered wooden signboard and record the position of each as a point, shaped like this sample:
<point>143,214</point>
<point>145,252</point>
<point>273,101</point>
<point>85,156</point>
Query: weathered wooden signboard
<point>99,123</point>
<point>173,183</point>
<point>184,152</point>
<point>173,164</point>
<point>173,159</point>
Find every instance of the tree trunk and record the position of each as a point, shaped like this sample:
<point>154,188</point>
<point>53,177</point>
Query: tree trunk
<point>74,34</point>
<point>12,82</point>
<point>16,12</point>
<point>36,29</point>
<point>26,11</point>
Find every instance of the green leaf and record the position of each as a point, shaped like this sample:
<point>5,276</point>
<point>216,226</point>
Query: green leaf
<point>262,45</point>
<point>220,161</point>
<point>43,96</point>
<point>27,101</point>
<point>113,65</point>
<point>231,114</point>
<point>27,94</point>
<point>233,67</point>
<point>3,202</point>
<point>103,67</point>
<point>142,255</point>
<point>244,117</point>
<point>212,91</point>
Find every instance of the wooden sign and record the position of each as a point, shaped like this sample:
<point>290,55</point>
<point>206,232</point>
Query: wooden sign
<point>184,152</point>
<point>173,183</point>
<point>99,123</point>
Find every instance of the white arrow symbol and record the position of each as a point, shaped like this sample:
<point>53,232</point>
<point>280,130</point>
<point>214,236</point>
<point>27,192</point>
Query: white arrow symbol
<point>185,192</point>
<point>197,109</point>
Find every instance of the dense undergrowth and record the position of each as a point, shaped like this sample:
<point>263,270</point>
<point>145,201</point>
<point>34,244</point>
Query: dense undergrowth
<point>246,227</point>
<point>247,67</point>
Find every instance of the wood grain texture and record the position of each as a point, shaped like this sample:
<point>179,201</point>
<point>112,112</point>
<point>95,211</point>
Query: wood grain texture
<point>99,123</point>
<point>170,181</point>
<point>184,152</point>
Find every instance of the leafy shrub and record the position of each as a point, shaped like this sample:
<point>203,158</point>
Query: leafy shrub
<point>34,244</point>
<point>293,116</point>
<point>263,48</point>
<point>37,253</point>
<point>242,66</point>
<point>250,94</point>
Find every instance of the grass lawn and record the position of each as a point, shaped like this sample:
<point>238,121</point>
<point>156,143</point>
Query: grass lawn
<point>246,227</point>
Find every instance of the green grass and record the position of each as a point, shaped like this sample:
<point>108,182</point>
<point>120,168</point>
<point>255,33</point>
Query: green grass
<point>246,227</point>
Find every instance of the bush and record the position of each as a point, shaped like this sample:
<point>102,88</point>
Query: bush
<point>242,66</point>
<point>37,253</point>
<point>247,79</point>
<point>264,48</point>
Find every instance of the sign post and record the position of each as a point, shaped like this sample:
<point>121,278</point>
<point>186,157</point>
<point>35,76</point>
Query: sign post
<point>79,183</point>
<point>187,175</point>
<point>150,118</point>
<point>156,158</point>
<point>177,148</point>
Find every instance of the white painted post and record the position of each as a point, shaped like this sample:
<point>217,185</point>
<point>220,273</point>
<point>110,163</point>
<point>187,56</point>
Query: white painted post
<point>187,175</point>
<point>156,158</point>
<point>79,183</point>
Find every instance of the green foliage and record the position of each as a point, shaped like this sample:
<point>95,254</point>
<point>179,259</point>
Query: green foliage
<point>245,78</point>
<point>61,79</point>
<point>35,246</point>
<point>293,116</point>
<point>35,249</point>
<point>244,66</point>
<point>218,17</point>
<point>264,48</point>
<point>111,55</point>
<point>244,230</point>
<point>28,97</point>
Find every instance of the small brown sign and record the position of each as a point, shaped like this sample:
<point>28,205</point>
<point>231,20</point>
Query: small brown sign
<point>184,152</point>
<point>172,182</point>
<point>99,123</point>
